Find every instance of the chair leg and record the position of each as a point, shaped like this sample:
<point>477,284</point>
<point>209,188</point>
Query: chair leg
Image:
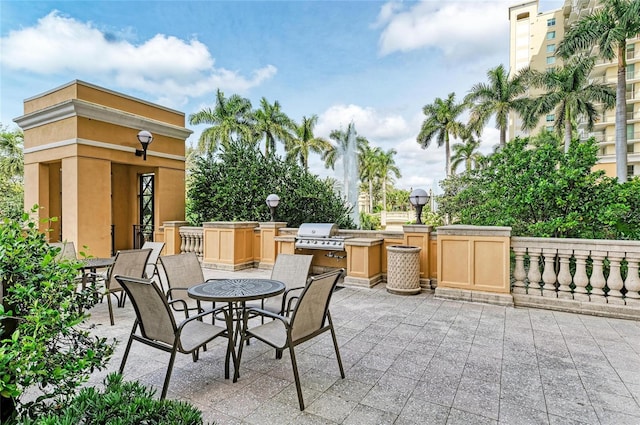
<point>335,344</point>
<point>296,376</point>
<point>126,351</point>
<point>110,308</point>
<point>168,375</point>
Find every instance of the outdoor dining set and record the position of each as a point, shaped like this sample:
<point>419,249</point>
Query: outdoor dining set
<point>168,294</point>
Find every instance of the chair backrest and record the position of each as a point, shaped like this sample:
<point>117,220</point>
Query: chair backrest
<point>130,263</point>
<point>182,271</point>
<point>292,269</point>
<point>313,305</point>
<point>152,310</point>
<point>156,249</point>
<point>67,250</point>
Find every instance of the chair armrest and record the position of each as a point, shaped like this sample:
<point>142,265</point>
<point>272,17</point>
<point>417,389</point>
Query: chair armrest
<point>175,289</point>
<point>260,312</point>
<point>199,316</point>
<point>284,299</point>
<point>184,307</point>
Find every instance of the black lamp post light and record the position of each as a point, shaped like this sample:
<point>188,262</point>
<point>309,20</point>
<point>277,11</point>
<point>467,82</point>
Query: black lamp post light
<point>418,199</point>
<point>272,201</point>
<point>145,138</point>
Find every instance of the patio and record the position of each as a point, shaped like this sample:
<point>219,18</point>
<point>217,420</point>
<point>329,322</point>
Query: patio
<point>412,360</point>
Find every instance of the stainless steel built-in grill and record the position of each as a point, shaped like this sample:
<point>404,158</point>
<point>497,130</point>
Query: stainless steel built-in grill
<point>320,236</point>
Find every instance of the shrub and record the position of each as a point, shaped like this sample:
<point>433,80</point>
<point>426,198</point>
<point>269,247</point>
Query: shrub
<point>233,186</point>
<point>42,341</point>
<point>121,403</point>
<point>538,190</point>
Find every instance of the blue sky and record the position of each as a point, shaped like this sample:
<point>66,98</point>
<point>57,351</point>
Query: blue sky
<point>375,63</point>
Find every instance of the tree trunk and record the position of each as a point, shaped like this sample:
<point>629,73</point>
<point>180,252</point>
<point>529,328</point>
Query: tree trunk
<point>567,133</point>
<point>621,117</point>
<point>503,137</point>
<point>370,196</point>
<point>447,156</point>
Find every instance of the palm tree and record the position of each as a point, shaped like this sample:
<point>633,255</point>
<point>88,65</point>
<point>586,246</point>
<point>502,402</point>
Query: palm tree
<point>568,92</point>
<point>272,124</point>
<point>608,28</point>
<point>498,97</point>
<point>442,122</point>
<point>368,158</point>
<point>387,169</point>
<point>230,120</point>
<point>466,152</point>
<point>11,154</point>
<point>298,147</point>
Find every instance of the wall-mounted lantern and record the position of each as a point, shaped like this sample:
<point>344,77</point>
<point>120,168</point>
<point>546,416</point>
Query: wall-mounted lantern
<point>145,138</point>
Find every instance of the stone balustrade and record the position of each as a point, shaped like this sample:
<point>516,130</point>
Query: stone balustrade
<point>465,262</point>
<point>581,275</point>
<point>191,240</point>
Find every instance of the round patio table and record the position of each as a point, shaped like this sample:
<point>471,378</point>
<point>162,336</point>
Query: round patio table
<point>92,265</point>
<point>236,291</point>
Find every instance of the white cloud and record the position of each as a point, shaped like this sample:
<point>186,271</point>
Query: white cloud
<point>177,68</point>
<point>469,29</point>
<point>368,122</point>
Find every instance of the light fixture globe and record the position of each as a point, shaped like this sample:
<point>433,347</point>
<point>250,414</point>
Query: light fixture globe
<point>145,138</point>
<point>273,201</point>
<point>418,198</point>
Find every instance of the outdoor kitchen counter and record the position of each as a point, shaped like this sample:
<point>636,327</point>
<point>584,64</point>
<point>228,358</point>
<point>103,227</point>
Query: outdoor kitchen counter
<point>362,258</point>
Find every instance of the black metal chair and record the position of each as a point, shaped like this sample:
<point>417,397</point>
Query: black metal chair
<point>158,327</point>
<point>309,319</point>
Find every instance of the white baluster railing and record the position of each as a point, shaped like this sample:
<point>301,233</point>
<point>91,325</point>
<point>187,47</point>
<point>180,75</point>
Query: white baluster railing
<point>583,270</point>
<point>191,238</point>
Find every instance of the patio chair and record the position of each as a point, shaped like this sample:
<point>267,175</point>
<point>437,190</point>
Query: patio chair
<point>158,327</point>
<point>309,318</point>
<point>152,268</point>
<point>182,271</point>
<point>130,263</point>
<point>293,271</point>
<point>67,250</point>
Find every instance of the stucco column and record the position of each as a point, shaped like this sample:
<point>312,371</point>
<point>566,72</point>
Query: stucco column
<point>419,235</point>
<point>172,240</point>
<point>36,190</point>
<point>86,200</point>
<point>268,244</point>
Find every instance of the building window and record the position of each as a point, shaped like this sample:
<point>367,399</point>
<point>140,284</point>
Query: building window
<point>631,71</point>
<point>630,147</point>
<point>550,128</point>
<point>631,50</point>
<point>630,91</point>
<point>551,35</point>
<point>630,111</point>
<point>630,134</point>
<point>551,117</point>
<point>551,48</point>
<point>551,60</point>
<point>630,170</point>
<point>551,22</point>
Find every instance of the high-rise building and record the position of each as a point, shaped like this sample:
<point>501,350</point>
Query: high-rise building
<point>534,37</point>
